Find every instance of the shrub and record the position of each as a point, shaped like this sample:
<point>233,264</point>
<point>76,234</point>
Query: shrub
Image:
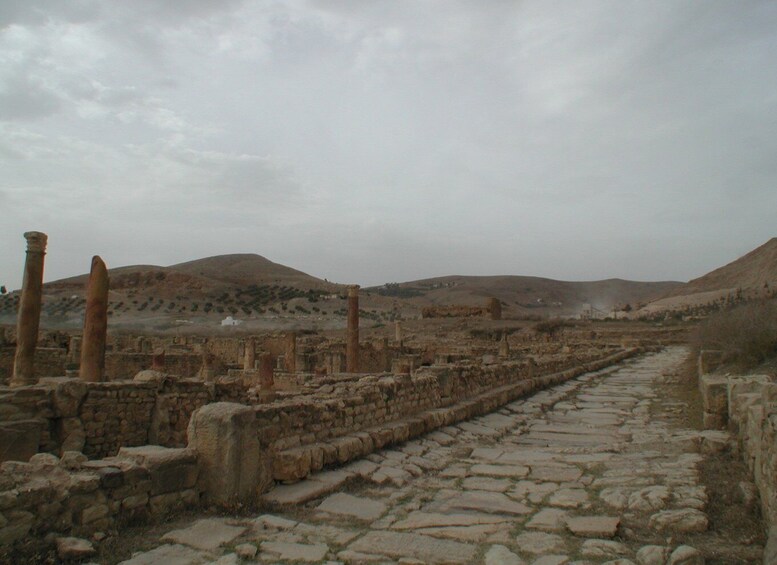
<point>746,335</point>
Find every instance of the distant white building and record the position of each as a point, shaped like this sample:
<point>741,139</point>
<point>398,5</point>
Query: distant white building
<point>230,321</point>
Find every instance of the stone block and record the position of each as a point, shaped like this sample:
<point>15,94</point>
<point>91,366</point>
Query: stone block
<point>170,469</point>
<point>234,468</point>
<point>714,394</point>
<point>19,439</point>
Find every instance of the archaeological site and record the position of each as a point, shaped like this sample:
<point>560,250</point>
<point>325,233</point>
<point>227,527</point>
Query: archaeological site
<point>295,420</point>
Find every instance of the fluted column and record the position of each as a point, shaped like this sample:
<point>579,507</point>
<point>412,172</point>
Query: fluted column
<point>28,320</point>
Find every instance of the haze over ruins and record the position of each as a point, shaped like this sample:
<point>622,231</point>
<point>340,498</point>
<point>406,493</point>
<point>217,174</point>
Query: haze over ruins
<point>397,283</point>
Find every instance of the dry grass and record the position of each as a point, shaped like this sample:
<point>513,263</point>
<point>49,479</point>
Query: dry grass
<point>746,335</point>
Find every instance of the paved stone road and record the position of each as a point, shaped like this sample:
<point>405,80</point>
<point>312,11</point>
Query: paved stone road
<point>593,471</point>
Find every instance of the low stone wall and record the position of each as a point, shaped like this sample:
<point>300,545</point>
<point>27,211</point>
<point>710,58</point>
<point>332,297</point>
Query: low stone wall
<point>122,365</point>
<point>306,434</point>
<point>48,361</point>
<point>97,419</point>
<point>747,406</point>
<point>233,453</point>
<point>75,496</point>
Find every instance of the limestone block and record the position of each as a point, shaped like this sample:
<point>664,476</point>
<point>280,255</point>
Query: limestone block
<point>170,469</point>
<point>714,394</point>
<point>71,430</point>
<point>292,464</point>
<point>741,385</point>
<point>234,468</point>
<point>19,523</point>
<point>709,360</point>
<point>19,440</point>
<point>67,397</point>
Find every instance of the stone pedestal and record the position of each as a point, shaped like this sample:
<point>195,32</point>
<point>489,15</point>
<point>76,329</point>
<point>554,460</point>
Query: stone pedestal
<point>95,323</point>
<point>352,338</point>
<point>28,319</point>
<point>232,468</point>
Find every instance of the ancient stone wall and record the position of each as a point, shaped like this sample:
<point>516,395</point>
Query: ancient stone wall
<point>48,361</point>
<point>99,418</point>
<point>123,365</point>
<point>80,497</point>
<point>747,406</point>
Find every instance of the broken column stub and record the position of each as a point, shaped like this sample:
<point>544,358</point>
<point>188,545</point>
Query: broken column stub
<point>290,355</point>
<point>249,357</point>
<point>352,337</point>
<point>233,468</point>
<point>28,319</point>
<point>95,323</point>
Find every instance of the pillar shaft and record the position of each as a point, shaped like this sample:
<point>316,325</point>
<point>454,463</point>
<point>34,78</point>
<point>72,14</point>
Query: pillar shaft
<point>28,320</point>
<point>249,358</point>
<point>352,339</point>
<point>95,323</point>
<point>266,379</point>
<point>290,355</point>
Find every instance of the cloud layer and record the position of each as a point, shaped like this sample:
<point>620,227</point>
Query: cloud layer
<point>373,142</point>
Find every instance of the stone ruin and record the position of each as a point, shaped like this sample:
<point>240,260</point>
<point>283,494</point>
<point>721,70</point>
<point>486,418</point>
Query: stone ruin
<point>150,425</point>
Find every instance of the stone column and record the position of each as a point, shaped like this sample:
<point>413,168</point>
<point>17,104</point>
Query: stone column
<point>207,373</point>
<point>95,323</point>
<point>290,356</point>
<point>266,380</point>
<point>28,319</point>
<point>352,339</point>
<point>504,347</point>
<point>495,308</point>
<point>249,358</point>
<point>398,332</point>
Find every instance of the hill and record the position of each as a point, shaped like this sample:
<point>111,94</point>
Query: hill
<point>751,276</point>
<point>523,295</point>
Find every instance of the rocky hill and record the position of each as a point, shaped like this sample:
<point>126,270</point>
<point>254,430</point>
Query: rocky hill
<point>522,295</point>
<point>752,276</point>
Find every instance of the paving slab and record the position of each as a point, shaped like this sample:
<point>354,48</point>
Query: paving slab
<point>349,505</point>
<point>208,534</point>
<point>425,548</point>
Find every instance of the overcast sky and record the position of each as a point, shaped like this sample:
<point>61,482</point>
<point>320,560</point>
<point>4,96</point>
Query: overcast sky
<point>377,141</point>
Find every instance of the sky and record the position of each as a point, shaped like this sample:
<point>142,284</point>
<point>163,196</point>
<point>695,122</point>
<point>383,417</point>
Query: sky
<point>369,141</point>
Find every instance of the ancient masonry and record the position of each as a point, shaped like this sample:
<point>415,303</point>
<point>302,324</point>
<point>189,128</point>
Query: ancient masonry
<point>157,424</point>
<point>29,310</point>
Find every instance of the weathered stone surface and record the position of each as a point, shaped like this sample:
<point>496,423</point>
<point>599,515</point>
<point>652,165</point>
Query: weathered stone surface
<point>540,543</point>
<point>569,498</point>
<point>549,520</point>
<point>487,502</point>
<point>313,487</point>
<point>593,526</point>
<point>400,544</point>
<point>500,555</point>
<point>679,521</point>
<point>686,555</point>
<point>357,507</point>
<point>652,555</point>
<point>309,553</point>
<point>603,548</point>
<point>417,520</point>
<point>170,469</point>
<point>169,555</point>
<point>233,468</point>
<point>512,471</point>
<point>207,535</point>
<point>74,548</point>
<point>20,439</point>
